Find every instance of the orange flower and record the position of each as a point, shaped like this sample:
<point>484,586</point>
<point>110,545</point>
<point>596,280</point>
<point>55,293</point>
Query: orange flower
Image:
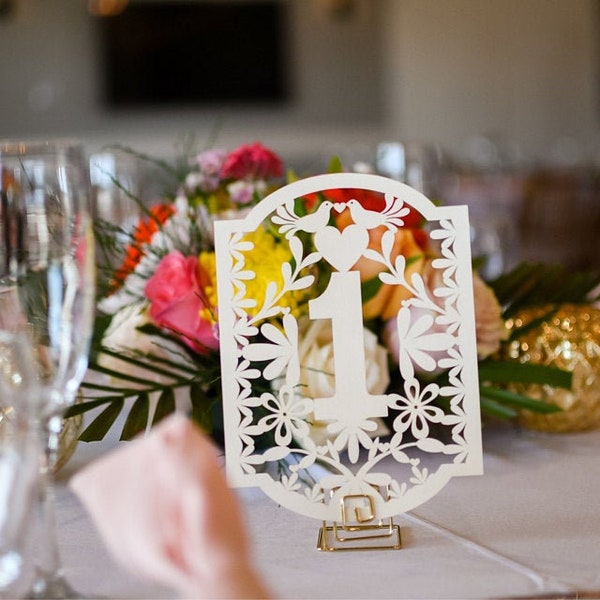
<point>142,235</point>
<point>388,299</point>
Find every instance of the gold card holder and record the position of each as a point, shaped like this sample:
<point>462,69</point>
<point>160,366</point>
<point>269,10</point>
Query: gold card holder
<point>360,529</point>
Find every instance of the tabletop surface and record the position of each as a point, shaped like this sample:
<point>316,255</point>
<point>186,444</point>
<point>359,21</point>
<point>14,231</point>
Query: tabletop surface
<point>528,527</point>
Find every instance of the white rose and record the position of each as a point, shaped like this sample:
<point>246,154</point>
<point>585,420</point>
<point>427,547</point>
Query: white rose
<point>317,371</point>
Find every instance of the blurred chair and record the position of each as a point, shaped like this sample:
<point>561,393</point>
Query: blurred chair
<point>559,219</point>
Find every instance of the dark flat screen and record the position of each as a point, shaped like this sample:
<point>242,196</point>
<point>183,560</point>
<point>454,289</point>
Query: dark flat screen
<point>186,53</point>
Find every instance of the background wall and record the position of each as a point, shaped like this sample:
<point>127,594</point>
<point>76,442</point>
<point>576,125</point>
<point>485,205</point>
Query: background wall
<point>443,71</point>
<point>526,71</point>
<point>49,59</point>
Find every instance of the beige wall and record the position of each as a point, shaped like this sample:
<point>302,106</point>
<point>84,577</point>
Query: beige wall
<point>434,70</point>
<point>526,70</point>
<point>51,86</point>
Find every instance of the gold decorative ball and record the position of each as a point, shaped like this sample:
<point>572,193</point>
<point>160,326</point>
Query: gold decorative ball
<point>567,337</point>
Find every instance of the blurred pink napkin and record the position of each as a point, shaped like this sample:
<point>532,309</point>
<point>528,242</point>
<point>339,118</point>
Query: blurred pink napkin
<point>163,507</point>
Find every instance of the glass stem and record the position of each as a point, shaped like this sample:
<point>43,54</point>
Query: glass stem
<point>48,575</point>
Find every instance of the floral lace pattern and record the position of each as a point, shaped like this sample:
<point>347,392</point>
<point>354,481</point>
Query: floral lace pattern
<point>433,429</point>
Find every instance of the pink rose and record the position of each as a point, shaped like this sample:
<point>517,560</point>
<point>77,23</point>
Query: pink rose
<point>252,161</point>
<point>176,301</point>
<point>211,161</point>
<point>490,326</point>
<point>241,192</point>
<point>207,178</point>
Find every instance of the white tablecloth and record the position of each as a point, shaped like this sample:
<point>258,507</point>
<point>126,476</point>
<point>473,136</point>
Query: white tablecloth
<point>528,526</point>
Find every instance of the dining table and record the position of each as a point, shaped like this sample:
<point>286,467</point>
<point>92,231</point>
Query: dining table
<point>529,527</point>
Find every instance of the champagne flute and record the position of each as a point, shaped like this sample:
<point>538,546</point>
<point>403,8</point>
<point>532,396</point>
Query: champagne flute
<point>47,277</point>
<point>19,464</point>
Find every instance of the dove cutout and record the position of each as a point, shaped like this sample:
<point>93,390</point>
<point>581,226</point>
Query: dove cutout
<point>291,223</point>
<point>390,216</point>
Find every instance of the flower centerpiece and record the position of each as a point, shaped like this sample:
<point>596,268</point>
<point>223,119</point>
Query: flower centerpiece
<point>156,342</point>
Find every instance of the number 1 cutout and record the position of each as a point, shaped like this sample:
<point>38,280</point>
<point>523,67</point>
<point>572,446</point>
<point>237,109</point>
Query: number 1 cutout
<point>352,403</point>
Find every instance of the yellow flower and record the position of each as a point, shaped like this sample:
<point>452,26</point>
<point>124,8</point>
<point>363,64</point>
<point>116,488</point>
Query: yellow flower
<point>265,259</point>
<point>208,283</point>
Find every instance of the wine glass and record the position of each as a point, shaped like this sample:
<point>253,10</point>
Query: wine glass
<point>47,286</point>
<point>19,464</point>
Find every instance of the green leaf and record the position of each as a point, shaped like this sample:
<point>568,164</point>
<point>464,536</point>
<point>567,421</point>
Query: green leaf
<point>413,259</point>
<point>83,407</point>
<point>137,419</point>
<point>335,165</point>
<point>478,262</point>
<point>518,400</point>
<point>496,409</point>
<point>201,406</point>
<point>99,427</point>
<point>148,364</point>
<point>370,288</point>
<point>99,387</point>
<point>119,374</point>
<point>180,365</point>
<point>162,164</point>
<point>165,405</point>
<point>101,324</point>
<point>33,295</point>
<point>531,284</point>
<point>515,372</point>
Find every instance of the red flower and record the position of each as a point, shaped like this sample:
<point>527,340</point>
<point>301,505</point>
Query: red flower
<point>176,301</point>
<point>252,161</point>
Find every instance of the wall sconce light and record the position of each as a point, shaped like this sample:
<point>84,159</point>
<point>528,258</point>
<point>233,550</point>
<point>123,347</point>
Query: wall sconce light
<point>106,8</point>
<point>341,9</point>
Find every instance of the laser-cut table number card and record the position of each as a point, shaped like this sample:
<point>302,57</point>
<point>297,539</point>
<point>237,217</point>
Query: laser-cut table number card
<point>359,454</point>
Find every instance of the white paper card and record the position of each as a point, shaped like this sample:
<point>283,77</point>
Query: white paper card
<point>311,450</point>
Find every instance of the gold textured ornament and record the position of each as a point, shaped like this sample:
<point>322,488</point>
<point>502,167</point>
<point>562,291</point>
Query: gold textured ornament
<point>569,338</point>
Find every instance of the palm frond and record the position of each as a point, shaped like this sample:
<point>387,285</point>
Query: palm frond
<point>536,284</point>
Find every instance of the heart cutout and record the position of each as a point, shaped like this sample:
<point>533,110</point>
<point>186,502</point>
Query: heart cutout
<point>341,249</point>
